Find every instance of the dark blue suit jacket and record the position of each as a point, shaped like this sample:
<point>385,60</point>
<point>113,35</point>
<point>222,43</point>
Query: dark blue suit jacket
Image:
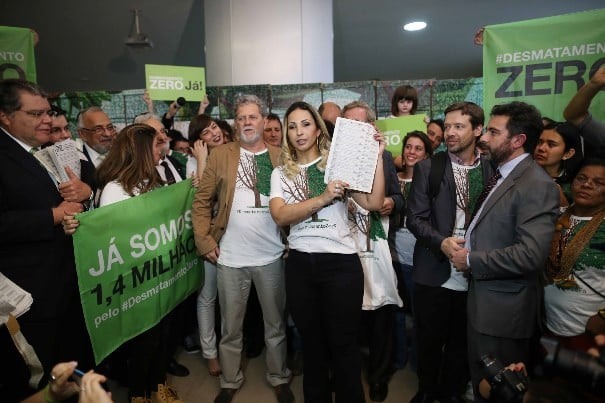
<point>431,221</point>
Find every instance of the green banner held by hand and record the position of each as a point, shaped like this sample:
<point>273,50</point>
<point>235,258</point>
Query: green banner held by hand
<point>136,260</point>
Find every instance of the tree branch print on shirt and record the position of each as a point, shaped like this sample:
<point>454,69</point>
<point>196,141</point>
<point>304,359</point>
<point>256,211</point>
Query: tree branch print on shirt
<point>368,223</point>
<point>307,184</point>
<point>254,173</point>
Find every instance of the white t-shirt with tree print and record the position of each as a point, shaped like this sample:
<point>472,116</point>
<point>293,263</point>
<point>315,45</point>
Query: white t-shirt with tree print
<point>252,238</point>
<point>326,231</point>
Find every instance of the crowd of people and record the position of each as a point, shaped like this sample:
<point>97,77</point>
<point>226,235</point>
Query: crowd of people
<point>492,225</point>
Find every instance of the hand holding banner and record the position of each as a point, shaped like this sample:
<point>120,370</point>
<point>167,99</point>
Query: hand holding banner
<point>136,260</point>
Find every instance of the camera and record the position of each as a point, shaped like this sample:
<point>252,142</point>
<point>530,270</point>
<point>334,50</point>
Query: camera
<point>577,366</point>
<point>506,385</point>
<point>581,371</point>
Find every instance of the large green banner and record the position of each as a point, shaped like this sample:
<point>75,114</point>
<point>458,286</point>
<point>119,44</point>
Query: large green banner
<point>543,61</point>
<point>395,129</point>
<point>167,83</point>
<point>17,54</point>
<point>136,260</point>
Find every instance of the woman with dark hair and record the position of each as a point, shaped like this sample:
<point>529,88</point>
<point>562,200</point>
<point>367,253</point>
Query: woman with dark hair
<point>227,129</point>
<point>205,134</point>
<point>404,101</point>
<point>324,276</point>
<point>559,152</point>
<point>129,170</point>
<point>416,147</point>
<point>575,301</point>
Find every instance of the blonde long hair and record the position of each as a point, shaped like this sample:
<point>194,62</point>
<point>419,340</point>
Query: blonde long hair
<point>288,152</point>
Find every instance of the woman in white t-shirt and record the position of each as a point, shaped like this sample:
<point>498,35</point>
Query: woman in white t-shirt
<point>324,277</point>
<point>130,170</point>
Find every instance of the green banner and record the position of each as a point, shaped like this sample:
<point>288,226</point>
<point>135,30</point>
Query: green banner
<point>167,83</point>
<point>395,129</point>
<point>17,54</point>
<point>136,260</point>
<point>543,61</point>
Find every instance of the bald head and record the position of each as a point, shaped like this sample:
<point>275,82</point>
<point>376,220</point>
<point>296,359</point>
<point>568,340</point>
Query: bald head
<point>329,111</point>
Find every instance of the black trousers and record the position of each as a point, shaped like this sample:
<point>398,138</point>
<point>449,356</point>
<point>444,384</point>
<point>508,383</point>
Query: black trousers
<point>440,315</point>
<point>378,328</point>
<point>506,350</point>
<point>325,292</point>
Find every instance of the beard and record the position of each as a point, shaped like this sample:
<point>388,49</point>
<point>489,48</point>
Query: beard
<point>251,139</point>
<point>502,152</point>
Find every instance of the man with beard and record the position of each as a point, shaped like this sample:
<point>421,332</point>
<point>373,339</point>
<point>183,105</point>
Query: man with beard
<point>244,242</point>
<point>97,133</point>
<point>438,221</point>
<point>507,242</point>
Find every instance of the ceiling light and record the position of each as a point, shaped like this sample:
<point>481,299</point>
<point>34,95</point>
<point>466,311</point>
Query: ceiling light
<point>415,26</point>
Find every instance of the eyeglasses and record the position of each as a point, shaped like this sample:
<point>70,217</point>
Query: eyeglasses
<point>582,180</point>
<point>252,118</point>
<point>39,113</point>
<point>100,130</point>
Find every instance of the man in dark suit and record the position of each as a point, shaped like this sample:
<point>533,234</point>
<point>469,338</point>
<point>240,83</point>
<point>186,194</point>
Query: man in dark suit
<point>507,243</point>
<point>34,251</point>
<point>437,220</point>
<point>81,190</point>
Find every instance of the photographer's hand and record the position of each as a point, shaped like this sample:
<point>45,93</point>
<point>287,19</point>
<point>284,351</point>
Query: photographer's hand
<point>600,340</point>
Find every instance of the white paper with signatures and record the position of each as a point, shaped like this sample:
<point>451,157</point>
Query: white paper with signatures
<point>353,155</point>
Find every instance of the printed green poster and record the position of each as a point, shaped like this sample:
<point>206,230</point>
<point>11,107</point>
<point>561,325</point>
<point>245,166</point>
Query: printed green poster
<point>543,61</point>
<point>395,129</point>
<point>136,260</point>
<point>167,83</point>
<point>17,58</point>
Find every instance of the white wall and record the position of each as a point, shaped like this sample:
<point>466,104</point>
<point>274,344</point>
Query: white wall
<point>268,41</point>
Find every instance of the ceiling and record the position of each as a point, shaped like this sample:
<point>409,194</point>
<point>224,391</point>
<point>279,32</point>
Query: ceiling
<point>369,42</point>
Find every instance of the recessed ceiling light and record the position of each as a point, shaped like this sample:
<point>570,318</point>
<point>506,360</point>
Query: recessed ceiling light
<point>415,26</point>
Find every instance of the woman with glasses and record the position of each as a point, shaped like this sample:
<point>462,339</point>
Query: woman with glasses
<point>324,277</point>
<point>559,152</point>
<point>575,299</point>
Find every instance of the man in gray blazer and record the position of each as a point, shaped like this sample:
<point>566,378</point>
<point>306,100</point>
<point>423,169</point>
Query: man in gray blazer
<point>507,243</point>
<point>438,221</point>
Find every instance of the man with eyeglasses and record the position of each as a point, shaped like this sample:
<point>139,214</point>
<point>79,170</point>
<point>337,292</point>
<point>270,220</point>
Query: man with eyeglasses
<point>59,131</point>
<point>245,243</point>
<point>34,251</point>
<point>97,132</point>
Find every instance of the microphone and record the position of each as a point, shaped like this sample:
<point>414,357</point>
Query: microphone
<point>180,102</point>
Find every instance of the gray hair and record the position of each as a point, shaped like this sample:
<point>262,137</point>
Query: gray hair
<point>371,116</point>
<point>247,99</point>
<point>144,117</point>
<point>85,112</point>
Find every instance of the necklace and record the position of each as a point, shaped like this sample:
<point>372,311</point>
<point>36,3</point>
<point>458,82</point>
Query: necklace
<point>566,246</point>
